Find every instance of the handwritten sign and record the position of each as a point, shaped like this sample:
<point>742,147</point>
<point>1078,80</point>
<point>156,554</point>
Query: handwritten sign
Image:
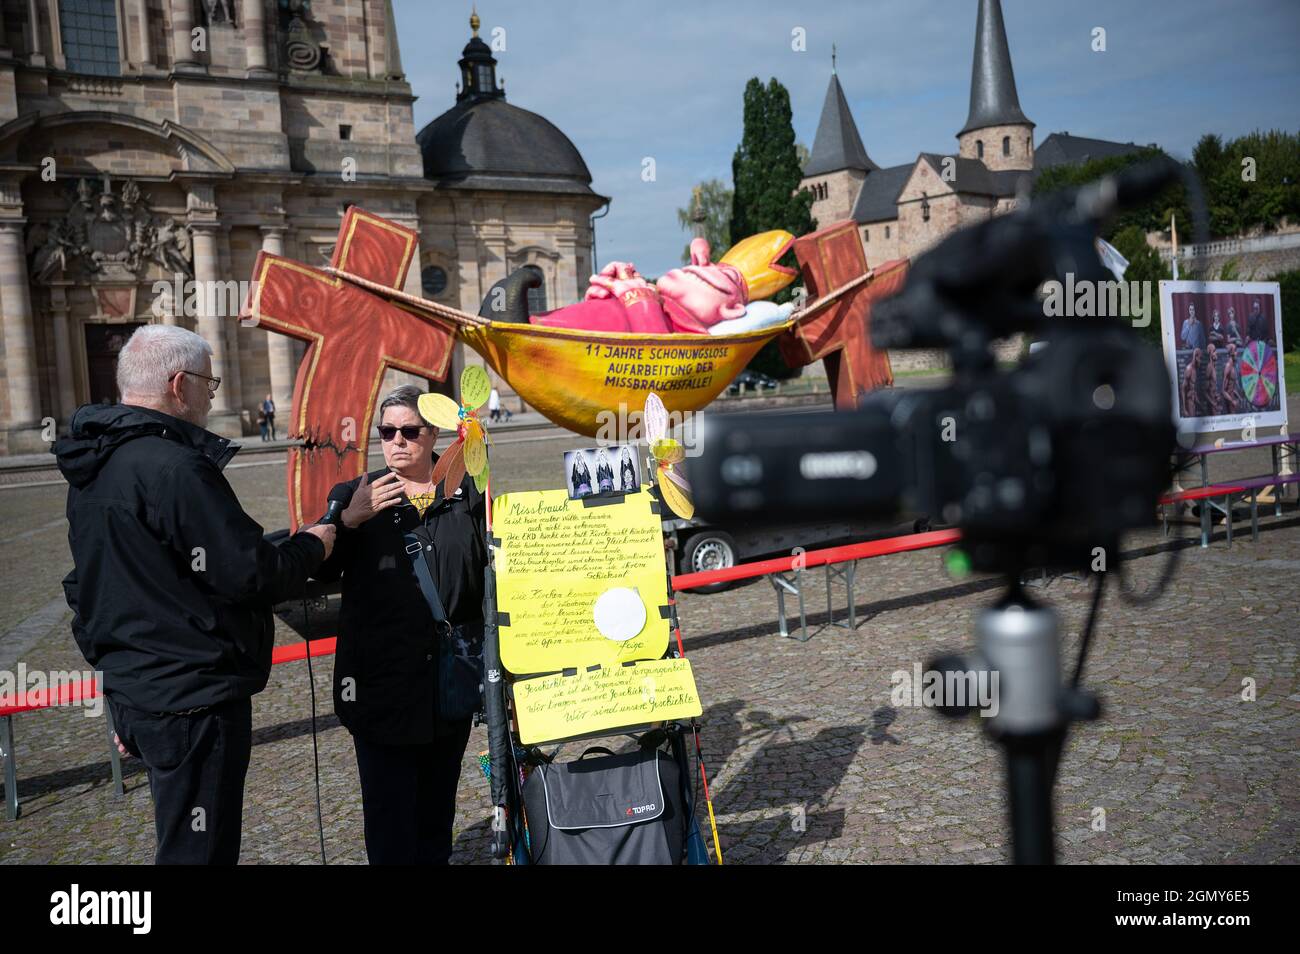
<point>551,708</point>
<point>557,557</point>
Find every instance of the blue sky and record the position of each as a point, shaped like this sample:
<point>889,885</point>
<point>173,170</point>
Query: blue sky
<point>626,80</point>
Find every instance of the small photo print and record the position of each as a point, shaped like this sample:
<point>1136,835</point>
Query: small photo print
<point>602,471</point>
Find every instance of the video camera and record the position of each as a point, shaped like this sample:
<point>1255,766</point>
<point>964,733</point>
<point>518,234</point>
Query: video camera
<point>1037,465</point>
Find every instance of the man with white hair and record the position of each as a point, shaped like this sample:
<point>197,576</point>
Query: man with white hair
<point>173,585</point>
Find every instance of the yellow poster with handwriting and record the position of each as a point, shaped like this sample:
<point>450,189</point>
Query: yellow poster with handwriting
<point>555,560</point>
<point>557,707</point>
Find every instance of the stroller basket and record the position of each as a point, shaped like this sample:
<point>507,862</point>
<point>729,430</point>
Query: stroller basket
<point>616,809</point>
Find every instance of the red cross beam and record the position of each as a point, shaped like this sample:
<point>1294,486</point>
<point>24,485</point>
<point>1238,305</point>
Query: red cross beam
<point>353,337</point>
<point>840,334</point>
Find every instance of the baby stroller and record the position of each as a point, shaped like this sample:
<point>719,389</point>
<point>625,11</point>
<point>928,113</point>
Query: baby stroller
<point>630,794</point>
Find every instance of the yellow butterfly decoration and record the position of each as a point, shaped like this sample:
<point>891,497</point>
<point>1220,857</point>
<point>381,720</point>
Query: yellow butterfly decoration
<point>468,453</point>
<point>668,454</point>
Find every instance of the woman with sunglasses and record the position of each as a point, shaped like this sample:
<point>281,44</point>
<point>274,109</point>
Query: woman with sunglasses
<point>406,683</point>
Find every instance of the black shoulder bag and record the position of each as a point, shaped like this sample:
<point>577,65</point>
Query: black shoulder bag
<point>460,646</point>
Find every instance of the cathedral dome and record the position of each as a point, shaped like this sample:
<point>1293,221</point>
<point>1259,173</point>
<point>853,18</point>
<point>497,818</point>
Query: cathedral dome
<point>483,142</point>
<point>486,143</point>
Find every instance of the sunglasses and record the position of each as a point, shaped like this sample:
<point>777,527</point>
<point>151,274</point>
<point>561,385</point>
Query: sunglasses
<point>410,431</point>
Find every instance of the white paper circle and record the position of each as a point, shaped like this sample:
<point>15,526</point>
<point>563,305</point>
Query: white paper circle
<point>620,613</point>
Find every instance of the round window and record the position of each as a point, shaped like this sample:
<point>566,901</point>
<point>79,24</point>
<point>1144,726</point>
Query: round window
<point>434,281</point>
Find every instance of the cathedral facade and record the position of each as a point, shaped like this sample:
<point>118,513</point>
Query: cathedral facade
<point>903,210</point>
<point>149,149</point>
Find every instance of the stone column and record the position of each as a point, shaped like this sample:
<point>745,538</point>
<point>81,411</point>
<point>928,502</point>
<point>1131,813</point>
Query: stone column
<point>19,330</point>
<point>282,364</point>
<point>183,56</point>
<point>141,11</point>
<point>212,327</point>
<point>567,279</point>
<point>57,59</point>
<point>67,392</point>
<point>255,45</point>
<point>35,48</point>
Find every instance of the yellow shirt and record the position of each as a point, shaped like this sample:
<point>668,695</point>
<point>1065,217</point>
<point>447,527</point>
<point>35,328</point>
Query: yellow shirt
<point>422,502</point>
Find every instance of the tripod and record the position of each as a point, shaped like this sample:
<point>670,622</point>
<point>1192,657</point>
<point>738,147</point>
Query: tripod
<point>1019,640</point>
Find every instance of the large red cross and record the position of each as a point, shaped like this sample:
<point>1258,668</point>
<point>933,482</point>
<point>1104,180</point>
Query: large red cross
<point>840,334</point>
<point>353,337</point>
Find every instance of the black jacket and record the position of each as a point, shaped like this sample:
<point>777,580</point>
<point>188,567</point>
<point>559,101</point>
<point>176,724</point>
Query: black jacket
<point>173,584</point>
<point>385,664</point>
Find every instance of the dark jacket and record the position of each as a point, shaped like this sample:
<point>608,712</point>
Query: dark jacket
<point>385,664</point>
<point>173,584</point>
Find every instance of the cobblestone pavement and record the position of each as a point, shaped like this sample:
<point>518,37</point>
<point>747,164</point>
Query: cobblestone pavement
<point>808,759</point>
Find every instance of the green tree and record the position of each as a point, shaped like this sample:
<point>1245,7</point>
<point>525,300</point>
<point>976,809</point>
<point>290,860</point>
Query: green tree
<point>1290,282</point>
<point>765,170</point>
<point>715,199</point>
<point>765,174</point>
<point>1250,182</point>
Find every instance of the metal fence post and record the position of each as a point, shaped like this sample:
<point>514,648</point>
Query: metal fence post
<point>12,810</point>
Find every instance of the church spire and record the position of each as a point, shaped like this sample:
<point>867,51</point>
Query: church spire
<point>392,52</point>
<point>993,99</point>
<point>837,144</point>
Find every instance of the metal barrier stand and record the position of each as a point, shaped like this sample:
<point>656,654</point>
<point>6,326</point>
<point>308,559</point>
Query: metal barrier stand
<point>783,585</point>
<point>848,574</point>
<point>792,582</point>
<point>11,769</point>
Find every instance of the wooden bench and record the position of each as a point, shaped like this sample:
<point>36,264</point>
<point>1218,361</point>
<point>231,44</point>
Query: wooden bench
<point>1207,494</point>
<point>1254,485</point>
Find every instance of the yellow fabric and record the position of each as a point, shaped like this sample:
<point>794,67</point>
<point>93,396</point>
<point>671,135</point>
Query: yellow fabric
<point>422,502</point>
<point>579,379</point>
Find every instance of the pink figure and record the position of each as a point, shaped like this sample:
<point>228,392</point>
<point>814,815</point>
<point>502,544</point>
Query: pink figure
<point>684,300</point>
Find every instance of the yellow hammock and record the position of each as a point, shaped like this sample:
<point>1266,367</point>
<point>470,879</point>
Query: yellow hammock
<point>591,381</point>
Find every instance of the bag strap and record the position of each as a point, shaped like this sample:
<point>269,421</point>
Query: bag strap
<point>415,550</point>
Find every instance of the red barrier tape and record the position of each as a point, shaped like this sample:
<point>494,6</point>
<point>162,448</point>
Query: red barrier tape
<point>319,647</point>
<point>854,551</point>
<point>89,688</point>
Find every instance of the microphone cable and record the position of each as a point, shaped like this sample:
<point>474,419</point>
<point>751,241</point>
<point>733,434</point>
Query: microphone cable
<point>315,748</point>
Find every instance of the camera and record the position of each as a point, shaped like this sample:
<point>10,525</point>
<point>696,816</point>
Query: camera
<point>1037,465</point>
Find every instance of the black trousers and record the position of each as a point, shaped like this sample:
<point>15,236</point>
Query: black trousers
<point>408,797</point>
<point>196,766</point>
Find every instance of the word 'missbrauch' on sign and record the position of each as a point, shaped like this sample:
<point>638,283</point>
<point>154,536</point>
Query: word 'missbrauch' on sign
<point>555,559</point>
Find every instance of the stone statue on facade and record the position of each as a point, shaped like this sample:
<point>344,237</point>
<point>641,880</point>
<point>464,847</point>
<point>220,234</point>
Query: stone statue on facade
<point>112,237</point>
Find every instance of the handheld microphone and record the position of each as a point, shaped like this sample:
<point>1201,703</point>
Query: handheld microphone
<point>339,499</point>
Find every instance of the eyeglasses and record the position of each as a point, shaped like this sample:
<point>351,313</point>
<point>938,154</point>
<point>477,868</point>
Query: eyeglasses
<point>410,431</point>
<point>213,383</point>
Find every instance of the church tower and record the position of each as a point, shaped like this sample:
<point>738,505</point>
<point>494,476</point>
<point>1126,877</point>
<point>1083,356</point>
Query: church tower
<point>839,162</point>
<point>996,133</point>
